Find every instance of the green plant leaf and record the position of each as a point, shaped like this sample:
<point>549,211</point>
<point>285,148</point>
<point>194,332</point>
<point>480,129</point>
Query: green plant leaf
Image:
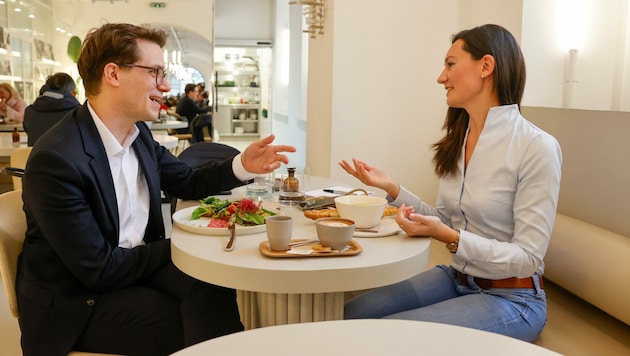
<point>74,47</point>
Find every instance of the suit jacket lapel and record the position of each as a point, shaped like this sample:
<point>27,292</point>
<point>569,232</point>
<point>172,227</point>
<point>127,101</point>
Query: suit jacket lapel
<point>148,163</point>
<point>93,146</point>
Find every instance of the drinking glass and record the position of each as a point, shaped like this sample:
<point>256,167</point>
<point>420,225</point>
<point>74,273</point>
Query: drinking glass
<point>261,187</point>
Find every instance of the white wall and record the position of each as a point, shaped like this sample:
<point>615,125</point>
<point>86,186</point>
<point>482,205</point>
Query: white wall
<point>385,105</point>
<point>288,101</point>
<point>193,16</point>
<point>244,19</point>
<point>603,63</point>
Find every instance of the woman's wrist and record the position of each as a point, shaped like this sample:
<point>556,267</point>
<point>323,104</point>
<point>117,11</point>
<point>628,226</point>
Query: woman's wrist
<point>454,244</point>
<point>392,189</point>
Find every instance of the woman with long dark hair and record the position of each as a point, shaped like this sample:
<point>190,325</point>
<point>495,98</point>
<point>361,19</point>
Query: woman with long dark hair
<point>499,184</point>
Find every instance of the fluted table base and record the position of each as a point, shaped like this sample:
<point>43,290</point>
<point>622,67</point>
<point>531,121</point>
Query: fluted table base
<point>266,309</point>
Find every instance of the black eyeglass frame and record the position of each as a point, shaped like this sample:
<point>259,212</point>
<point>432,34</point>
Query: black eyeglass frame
<point>159,78</point>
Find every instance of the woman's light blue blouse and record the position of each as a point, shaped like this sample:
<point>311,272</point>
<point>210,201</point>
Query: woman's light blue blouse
<point>505,202</point>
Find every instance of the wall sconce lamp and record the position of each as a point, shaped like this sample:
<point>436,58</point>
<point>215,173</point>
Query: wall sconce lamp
<point>570,78</point>
<point>313,12</point>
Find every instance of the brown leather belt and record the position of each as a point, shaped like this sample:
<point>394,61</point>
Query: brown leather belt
<point>499,283</point>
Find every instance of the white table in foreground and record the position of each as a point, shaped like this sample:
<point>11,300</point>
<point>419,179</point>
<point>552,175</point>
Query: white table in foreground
<point>288,290</point>
<point>365,337</point>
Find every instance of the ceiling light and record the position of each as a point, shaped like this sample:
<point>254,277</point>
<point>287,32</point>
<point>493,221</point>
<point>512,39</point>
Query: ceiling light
<point>313,15</point>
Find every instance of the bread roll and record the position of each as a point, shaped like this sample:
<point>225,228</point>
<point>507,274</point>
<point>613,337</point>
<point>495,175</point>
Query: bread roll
<point>332,212</point>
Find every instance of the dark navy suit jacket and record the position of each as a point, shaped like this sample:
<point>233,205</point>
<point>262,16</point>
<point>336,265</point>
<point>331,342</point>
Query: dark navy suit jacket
<point>71,252</point>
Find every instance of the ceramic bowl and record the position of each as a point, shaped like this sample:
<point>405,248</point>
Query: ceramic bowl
<point>334,232</point>
<point>366,211</point>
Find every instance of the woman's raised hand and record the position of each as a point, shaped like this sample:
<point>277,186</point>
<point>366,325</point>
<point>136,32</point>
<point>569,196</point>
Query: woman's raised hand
<point>371,176</point>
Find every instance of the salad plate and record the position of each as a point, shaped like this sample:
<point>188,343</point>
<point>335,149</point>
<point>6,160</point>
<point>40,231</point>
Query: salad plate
<point>182,219</point>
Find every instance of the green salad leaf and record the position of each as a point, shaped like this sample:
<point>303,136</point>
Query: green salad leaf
<point>246,210</point>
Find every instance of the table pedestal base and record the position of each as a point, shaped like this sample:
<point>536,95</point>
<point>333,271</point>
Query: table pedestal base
<point>266,309</point>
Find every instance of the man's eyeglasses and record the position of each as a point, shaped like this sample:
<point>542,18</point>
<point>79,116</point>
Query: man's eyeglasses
<point>159,73</point>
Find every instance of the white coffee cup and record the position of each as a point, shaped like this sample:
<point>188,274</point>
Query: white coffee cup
<point>279,231</point>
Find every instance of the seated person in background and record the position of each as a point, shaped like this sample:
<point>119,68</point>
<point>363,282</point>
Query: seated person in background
<point>11,104</point>
<point>58,97</point>
<point>496,205</point>
<point>187,106</point>
<point>197,126</point>
<point>171,101</point>
<point>95,273</point>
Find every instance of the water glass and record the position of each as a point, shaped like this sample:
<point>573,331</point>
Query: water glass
<point>261,186</point>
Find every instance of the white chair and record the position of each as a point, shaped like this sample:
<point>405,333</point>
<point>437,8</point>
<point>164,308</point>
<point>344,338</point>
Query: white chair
<point>12,232</point>
<point>18,160</point>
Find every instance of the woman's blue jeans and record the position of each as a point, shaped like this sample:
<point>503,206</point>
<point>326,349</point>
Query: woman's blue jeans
<point>437,296</point>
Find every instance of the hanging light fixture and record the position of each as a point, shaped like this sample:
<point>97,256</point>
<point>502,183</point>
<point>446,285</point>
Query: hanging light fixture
<point>313,12</point>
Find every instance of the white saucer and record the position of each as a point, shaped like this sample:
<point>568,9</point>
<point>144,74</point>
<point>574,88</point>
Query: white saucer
<point>386,227</point>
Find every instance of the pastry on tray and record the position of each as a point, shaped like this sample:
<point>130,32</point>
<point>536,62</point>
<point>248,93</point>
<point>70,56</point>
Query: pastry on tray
<point>332,212</point>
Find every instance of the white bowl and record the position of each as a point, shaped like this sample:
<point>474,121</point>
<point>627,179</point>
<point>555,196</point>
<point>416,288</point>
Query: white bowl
<point>366,211</point>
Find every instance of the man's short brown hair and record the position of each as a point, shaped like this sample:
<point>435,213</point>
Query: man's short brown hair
<point>112,43</point>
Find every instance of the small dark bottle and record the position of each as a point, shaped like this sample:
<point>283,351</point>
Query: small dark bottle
<point>16,137</point>
<point>290,194</point>
<point>291,184</point>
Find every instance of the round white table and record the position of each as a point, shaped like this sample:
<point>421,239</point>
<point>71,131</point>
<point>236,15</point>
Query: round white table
<point>8,127</point>
<point>168,124</point>
<point>7,146</point>
<point>365,337</point>
<point>276,290</point>
<point>166,140</point>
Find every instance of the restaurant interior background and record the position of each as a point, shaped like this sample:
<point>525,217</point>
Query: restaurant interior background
<point>371,91</point>
<point>398,46</point>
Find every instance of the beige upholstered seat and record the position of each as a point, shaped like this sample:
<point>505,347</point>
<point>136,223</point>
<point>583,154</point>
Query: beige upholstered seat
<point>18,160</point>
<point>12,231</point>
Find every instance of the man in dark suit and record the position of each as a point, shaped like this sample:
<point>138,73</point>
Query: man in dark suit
<point>57,98</point>
<point>188,106</point>
<point>95,273</point>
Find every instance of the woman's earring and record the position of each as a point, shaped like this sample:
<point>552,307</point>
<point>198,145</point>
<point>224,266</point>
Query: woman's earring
<point>483,76</point>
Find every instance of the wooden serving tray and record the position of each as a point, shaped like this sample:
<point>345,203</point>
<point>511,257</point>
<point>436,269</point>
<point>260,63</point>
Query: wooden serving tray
<point>354,249</point>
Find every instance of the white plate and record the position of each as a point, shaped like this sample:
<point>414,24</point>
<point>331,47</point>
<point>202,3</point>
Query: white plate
<point>386,227</point>
<point>182,220</point>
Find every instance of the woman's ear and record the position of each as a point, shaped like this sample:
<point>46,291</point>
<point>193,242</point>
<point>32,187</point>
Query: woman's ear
<point>487,65</point>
